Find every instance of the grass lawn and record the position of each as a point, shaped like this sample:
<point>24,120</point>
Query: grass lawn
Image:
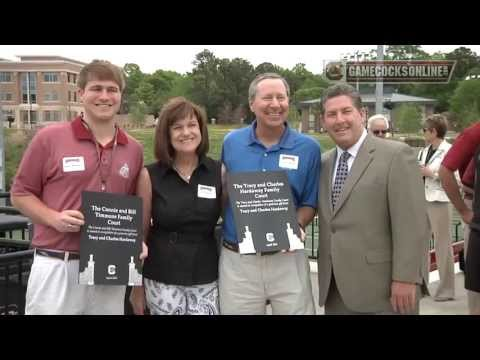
<point>216,134</point>
<point>16,142</point>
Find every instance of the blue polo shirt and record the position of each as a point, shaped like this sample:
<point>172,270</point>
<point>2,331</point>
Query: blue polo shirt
<point>243,152</point>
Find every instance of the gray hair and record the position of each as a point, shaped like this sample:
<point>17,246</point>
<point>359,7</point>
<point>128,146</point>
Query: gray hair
<point>371,119</point>
<point>252,89</point>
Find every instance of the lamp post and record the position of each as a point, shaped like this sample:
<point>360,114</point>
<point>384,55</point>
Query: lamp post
<point>27,74</point>
<point>379,84</point>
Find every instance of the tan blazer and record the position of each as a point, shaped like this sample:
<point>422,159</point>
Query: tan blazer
<point>379,230</point>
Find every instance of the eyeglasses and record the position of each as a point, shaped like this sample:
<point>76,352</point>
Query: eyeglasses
<point>377,132</point>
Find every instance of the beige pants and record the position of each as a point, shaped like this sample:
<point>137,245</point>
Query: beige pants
<point>473,297</point>
<point>53,289</point>
<point>439,214</point>
<point>246,282</point>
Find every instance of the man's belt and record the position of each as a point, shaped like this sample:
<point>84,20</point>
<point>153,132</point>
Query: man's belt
<point>234,247</point>
<point>62,255</point>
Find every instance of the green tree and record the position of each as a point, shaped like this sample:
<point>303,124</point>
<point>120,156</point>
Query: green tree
<point>309,94</point>
<point>466,60</point>
<point>267,67</point>
<point>145,92</point>
<point>138,113</point>
<point>296,77</point>
<point>162,83</point>
<point>233,82</point>
<point>405,52</point>
<point>407,118</point>
<point>465,102</point>
<point>133,78</point>
<point>205,78</point>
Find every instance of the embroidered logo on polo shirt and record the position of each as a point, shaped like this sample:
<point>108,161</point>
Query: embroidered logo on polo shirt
<point>124,171</point>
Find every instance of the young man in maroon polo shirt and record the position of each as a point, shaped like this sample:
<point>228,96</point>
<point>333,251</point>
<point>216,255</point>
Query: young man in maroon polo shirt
<point>62,160</point>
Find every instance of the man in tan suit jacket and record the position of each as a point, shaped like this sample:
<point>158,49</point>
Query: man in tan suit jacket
<point>373,243</point>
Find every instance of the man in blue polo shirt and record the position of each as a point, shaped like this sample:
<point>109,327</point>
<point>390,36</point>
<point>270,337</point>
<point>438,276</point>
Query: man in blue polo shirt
<point>246,282</point>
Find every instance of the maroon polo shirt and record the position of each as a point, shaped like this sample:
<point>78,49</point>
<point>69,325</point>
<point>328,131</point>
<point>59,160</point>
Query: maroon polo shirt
<point>46,171</point>
<point>460,155</point>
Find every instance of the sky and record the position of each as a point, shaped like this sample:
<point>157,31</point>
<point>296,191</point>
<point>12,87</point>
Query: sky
<point>179,58</point>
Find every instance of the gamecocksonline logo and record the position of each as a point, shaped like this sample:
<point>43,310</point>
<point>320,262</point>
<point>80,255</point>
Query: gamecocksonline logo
<point>391,71</point>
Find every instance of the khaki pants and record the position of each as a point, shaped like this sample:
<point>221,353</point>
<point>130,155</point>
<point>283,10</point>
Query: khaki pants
<point>439,215</point>
<point>473,297</point>
<point>246,282</point>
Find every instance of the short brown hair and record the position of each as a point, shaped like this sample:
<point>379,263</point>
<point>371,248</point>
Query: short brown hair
<point>101,70</point>
<point>339,90</point>
<point>175,109</point>
<point>437,122</point>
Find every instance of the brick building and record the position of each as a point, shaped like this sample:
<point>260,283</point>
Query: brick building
<point>39,89</point>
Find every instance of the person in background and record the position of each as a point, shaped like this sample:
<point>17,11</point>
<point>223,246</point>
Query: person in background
<point>438,204</point>
<point>378,125</point>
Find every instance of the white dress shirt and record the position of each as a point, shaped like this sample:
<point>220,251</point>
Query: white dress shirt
<point>353,151</point>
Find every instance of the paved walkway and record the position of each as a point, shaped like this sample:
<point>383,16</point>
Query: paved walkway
<point>427,305</point>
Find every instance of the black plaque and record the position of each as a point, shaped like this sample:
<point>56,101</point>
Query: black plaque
<point>264,212</point>
<point>111,239</point>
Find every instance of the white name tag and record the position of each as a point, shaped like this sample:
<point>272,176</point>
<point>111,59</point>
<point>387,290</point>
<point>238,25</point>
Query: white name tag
<point>288,161</point>
<point>74,163</point>
<point>207,192</point>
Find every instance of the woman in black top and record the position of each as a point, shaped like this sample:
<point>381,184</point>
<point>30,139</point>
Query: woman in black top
<point>182,204</point>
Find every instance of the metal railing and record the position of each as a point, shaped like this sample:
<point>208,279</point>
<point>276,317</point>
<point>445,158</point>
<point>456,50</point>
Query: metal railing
<point>15,261</point>
<point>15,264</point>
<point>311,240</point>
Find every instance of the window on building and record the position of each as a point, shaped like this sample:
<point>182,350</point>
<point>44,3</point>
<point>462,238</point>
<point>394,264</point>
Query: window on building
<point>5,76</point>
<point>51,96</point>
<point>72,96</point>
<point>51,116</point>
<point>29,87</point>
<point>4,96</point>
<point>72,78</point>
<point>50,77</point>
<point>28,117</point>
<point>311,121</point>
